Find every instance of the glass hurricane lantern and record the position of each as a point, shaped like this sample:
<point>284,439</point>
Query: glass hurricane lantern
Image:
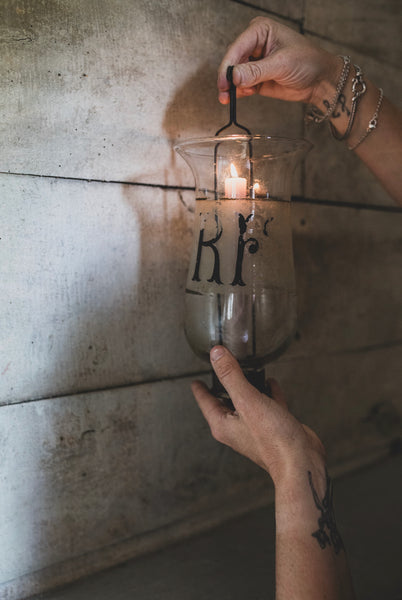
<point>240,289</point>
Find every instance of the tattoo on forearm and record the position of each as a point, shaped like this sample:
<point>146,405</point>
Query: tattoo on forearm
<point>327,532</point>
<point>344,108</point>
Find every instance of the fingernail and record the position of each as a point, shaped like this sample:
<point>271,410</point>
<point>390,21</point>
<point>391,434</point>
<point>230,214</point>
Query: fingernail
<point>217,353</point>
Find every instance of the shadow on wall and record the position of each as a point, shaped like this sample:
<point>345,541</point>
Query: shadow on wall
<point>105,309</point>
<point>193,111</point>
<point>107,303</point>
<point>107,466</point>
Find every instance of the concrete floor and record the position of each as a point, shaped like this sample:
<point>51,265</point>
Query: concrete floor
<point>236,560</point>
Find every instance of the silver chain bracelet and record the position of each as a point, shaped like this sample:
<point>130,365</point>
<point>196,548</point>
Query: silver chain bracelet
<point>358,89</point>
<point>372,123</point>
<point>317,116</point>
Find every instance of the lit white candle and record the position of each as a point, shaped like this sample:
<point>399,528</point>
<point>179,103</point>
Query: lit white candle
<point>235,187</point>
<point>256,189</point>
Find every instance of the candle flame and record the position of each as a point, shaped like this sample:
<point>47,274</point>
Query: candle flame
<point>233,170</point>
<point>256,187</point>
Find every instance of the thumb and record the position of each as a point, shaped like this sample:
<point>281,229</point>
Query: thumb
<point>252,73</point>
<point>231,376</point>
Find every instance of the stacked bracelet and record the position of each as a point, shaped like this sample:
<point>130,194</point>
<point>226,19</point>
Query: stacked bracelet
<point>372,123</point>
<point>358,89</point>
<point>315,115</point>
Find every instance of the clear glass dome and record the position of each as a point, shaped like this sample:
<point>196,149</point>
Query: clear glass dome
<point>240,288</point>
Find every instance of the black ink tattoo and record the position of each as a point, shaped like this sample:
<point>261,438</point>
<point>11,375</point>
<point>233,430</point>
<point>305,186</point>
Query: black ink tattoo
<point>344,108</point>
<point>327,532</point>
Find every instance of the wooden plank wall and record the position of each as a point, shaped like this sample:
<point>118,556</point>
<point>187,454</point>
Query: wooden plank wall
<point>104,454</point>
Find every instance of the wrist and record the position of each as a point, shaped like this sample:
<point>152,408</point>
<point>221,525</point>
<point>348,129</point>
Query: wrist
<point>295,508</point>
<point>293,486</point>
<point>355,114</point>
<point>325,88</point>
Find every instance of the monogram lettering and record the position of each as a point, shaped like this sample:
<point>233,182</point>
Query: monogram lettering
<point>241,245</point>
<point>209,244</point>
<point>250,243</point>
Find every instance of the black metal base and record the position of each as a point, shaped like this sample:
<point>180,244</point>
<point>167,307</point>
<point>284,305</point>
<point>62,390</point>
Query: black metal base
<point>255,377</point>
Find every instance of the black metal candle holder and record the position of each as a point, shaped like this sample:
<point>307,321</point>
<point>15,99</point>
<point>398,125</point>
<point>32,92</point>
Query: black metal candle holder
<point>232,121</point>
<point>256,378</point>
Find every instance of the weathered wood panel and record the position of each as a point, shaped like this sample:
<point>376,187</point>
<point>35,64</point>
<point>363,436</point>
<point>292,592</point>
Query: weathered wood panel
<point>349,279</point>
<point>369,27</point>
<point>214,564</point>
<point>332,171</point>
<point>90,480</point>
<point>292,9</point>
<point>351,399</point>
<point>81,473</point>
<point>101,90</point>
<point>93,279</point>
<point>92,286</point>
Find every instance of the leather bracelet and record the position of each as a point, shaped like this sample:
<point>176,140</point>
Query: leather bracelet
<point>372,123</point>
<point>358,89</point>
<point>316,115</point>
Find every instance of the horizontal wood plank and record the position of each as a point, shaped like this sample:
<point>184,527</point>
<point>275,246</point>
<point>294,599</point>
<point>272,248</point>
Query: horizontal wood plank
<point>348,266</point>
<point>292,9</point>
<point>213,565</point>
<point>81,473</point>
<point>94,479</point>
<point>93,279</point>
<point>103,93</point>
<point>370,27</point>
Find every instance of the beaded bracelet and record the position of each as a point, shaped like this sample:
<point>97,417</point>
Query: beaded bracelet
<point>372,123</point>
<point>315,115</point>
<point>358,89</point>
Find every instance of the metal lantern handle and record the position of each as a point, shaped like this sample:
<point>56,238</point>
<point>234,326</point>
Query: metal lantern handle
<point>233,121</point>
<point>232,97</point>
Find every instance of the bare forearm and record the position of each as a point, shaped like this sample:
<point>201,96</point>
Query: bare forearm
<point>288,66</point>
<point>381,149</point>
<point>310,558</point>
